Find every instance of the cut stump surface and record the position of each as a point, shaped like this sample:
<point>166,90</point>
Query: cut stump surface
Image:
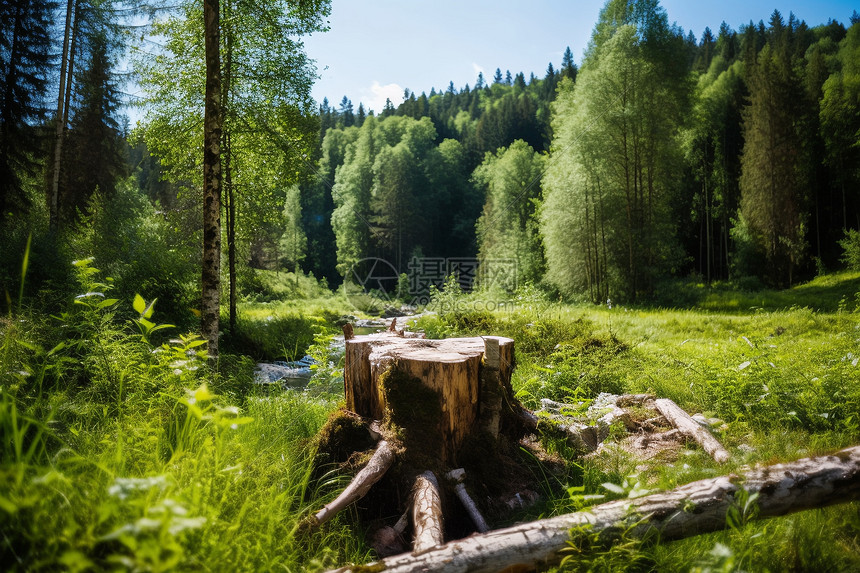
<point>452,368</point>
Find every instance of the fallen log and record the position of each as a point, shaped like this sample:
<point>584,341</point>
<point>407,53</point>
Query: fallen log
<point>696,508</point>
<point>382,459</point>
<point>692,429</point>
<point>426,514</point>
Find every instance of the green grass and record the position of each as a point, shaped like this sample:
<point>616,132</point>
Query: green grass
<point>827,293</point>
<point>117,455</point>
<point>779,368</point>
<point>120,455</point>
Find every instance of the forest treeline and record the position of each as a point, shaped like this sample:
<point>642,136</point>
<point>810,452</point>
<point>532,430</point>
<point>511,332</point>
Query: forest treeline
<point>734,156</point>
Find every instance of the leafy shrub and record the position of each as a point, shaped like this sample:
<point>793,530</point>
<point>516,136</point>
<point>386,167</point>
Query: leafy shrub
<point>48,277</point>
<point>851,249</point>
<point>148,252</point>
<point>120,455</point>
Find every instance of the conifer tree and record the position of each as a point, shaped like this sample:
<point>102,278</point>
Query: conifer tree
<point>94,157</point>
<point>25,58</point>
<point>568,67</point>
<point>772,200</point>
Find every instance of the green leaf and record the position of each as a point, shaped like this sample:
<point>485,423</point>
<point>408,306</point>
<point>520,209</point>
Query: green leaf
<point>107,302</point>
<point>149,309</point>
<point>57,348</point>
<point>139,304</point>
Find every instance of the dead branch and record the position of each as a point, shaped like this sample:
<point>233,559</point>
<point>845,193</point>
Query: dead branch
<point>426,514</point>
<point>692,429</point>
<point>458,476</point>
<point>382,459</point>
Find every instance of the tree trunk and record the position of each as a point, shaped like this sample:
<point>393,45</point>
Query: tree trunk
<point>54,210</point>
<point>691,429</point>
<point>231,230</point>
<point>227,95</point>
<point>692,509</point>
<point>212,127</point>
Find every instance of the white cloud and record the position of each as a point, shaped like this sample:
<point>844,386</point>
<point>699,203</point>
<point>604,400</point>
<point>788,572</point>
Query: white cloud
<point>479,70</point>
<point>374,98</point>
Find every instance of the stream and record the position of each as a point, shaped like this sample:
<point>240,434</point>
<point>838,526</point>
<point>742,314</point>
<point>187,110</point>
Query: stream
<point>297,373</point>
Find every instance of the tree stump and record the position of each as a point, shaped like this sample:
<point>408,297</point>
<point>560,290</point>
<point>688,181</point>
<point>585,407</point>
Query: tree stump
<point>437,406</point>
<point>435,390</point>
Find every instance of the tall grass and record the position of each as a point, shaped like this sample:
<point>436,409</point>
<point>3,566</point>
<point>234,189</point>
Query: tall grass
<point>121,455</point>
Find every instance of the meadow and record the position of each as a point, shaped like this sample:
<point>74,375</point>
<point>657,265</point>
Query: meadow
<point>123,449</point>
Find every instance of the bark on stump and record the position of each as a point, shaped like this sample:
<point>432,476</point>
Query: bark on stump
<point>388,376</point>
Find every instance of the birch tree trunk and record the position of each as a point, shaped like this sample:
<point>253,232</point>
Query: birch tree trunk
<point>212,127</point>
<point>690,428</point>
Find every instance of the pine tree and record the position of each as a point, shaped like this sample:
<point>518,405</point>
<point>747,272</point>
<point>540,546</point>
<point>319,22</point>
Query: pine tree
<point>568,67</point>
<point>705,51</point>
<point>25,59</point>
<point>771,179</point>
<point>840,125</point>
<point>94,158</point>
<point>347,116</point>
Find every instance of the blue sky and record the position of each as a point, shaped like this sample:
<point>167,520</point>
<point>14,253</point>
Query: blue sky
<point>377,48</point>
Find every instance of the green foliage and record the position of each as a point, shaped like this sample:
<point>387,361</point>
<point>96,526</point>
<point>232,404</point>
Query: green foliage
<point>771,193</point>
<point>48,277</point>
<point>293,243</point>
<point>851,249</point>
<point>149,252</point>
<point>277,336</point>
<point>116,454</point>
<point>26,50</point>
<point>146,326</point>
<point>508,228</point>
<point>610,184</point>
<point>456,312</point>
<point>397,191</point>
<point>594,551</point>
